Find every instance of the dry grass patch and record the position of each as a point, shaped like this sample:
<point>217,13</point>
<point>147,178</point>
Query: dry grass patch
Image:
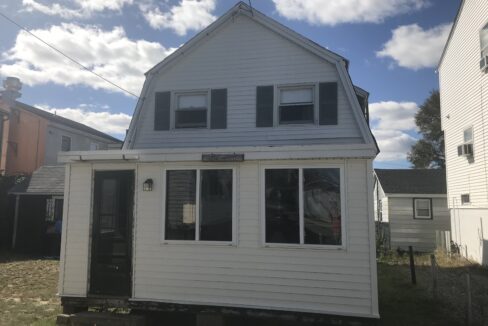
<point>28,291</point>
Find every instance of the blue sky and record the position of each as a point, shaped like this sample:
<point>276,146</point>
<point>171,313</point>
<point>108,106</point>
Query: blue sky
<point>393,47</point>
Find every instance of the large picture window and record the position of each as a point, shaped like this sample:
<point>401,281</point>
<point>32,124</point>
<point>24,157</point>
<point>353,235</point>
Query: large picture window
<point>303,206</point>
<point>199,205</point>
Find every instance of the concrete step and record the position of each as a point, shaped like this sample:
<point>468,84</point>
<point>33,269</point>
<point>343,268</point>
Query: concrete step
<point>89,318</point>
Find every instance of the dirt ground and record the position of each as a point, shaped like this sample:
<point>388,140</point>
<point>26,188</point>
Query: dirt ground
<point>28,290</point>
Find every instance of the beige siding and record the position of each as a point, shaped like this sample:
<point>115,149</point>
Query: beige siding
<point>464,103</point>
<point>420,234</point>
<point>470,231</point>
<point>240,56</point>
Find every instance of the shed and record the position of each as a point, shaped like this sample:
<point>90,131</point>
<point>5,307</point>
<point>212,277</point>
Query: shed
<point>38,212</point>
<point>411,208</point>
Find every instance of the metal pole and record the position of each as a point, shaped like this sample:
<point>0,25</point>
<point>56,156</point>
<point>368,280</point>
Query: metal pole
<point>434,276</point>
<point>16,221</point>
<point>469,302</point>
<point>412,265</point>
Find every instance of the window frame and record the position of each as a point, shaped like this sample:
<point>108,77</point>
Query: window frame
<point>70,143</point>
<point>277,103</point>
<point>483,51</point>
<point>431,211</point>
<point>472,135</point>
<point>174,108</point>
<point>197,241</point>
<point>300,167</point>
<point>469,199</point>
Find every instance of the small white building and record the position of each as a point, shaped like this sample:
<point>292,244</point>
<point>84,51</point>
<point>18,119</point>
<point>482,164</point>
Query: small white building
<point>463,79</point>
<point>411,208</point>
<point>244,184</point>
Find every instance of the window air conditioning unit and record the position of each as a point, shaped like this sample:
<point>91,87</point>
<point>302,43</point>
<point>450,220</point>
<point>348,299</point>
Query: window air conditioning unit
<point>484,63</point>
<point>465,150</point>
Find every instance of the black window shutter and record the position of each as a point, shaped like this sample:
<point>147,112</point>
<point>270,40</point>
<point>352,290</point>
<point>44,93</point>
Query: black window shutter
<point>161,110</point>
<point>264,106</point>
<point>328,103</point>
<point>218,109</point>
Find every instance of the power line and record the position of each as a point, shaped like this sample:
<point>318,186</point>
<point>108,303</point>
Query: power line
<point>67,56</point>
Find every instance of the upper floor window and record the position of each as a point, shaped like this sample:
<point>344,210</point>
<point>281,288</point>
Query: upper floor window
<point>422,208</point>
<point>191,110</point>
<point>93,146</point>
<point>468,135</point>
<point>65,144</point>
<point>296,105</point>
<point>303,206</point>
<point>484,40</point>
<point>465,199</point>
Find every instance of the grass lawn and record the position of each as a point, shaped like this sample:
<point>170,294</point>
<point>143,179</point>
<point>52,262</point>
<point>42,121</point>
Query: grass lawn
<point>28,292</point>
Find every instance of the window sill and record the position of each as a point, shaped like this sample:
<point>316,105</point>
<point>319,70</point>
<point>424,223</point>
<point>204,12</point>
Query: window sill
<point>195,242</point>
<point>304,246</point>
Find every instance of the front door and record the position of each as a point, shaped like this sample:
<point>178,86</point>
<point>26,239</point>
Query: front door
<point>111,252</point>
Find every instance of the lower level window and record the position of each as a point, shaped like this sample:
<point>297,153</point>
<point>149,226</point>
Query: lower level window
<point>199,205</point>
<point>303,206</point>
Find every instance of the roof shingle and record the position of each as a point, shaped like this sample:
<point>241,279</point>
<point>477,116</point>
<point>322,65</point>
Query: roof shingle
<point>413,181</point>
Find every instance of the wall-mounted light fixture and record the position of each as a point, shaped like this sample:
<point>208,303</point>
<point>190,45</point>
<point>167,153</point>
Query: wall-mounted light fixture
<point>147,185</point>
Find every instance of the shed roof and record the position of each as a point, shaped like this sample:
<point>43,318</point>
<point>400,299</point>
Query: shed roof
<point>47,180</point>
<point>413,181</point>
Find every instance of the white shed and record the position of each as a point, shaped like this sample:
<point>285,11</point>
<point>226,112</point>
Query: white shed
<point>244,184</point>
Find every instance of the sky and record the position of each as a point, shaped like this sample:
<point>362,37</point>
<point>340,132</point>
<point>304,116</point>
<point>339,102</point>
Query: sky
<point>393,47</point>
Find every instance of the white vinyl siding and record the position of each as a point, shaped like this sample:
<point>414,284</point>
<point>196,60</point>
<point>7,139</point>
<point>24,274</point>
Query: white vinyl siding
<point>246,274</point>
<point>420,233</point>
<point>240,57</point>
<point>464,103</point>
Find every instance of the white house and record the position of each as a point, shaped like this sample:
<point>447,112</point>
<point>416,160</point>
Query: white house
<point>411,208</point>
<point>463,77</point>
<point>245,183</point>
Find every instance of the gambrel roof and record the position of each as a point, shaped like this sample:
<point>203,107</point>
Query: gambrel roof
<point>242,8</point>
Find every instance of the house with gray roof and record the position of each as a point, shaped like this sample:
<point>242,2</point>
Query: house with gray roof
<point>410,208</point>
<point>38,211</point>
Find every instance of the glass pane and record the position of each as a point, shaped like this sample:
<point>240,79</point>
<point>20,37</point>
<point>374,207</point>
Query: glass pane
<point>423,212</point>
<point>468,135</point>
<point>192,101</point>
<point>180,204</point>
<point>191,119</point>
<point>422,203</point>
<point>296,95</point>
<point>216,205</point>
<point>108,192</point>
<point>322,206</point>
<point>484,39</point>
<point>65,144</point>
<point>282,206</point>
<point>50,210</point>
<point>296,114</point>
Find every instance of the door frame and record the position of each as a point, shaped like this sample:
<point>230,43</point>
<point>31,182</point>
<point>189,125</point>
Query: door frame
<point>130,232</point>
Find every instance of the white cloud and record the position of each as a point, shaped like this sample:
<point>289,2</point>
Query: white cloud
<point>78,9</point>
<point>109,53</point>
<point>391,123</point>
<point>105,121</point>
<point>332,12</point>
<point>413,47</point>
<point>187,15</point>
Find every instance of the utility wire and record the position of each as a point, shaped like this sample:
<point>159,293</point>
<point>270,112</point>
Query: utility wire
<point>67,56</point>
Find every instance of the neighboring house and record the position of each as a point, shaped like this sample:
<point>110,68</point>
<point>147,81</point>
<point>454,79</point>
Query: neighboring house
<point>463,78</point>
<point>38,212</point>
<point>411,208</point>
<point>31,137</point>
<point>244,184</point>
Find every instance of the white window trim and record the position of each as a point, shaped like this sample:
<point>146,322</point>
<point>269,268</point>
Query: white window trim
<point>300,167</point>
<point>174,107</point>
<point>197,204</point>
<point>420,217</point>
<point>277,96</point>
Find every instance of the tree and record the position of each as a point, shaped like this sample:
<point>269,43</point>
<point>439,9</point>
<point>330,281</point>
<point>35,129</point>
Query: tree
<point>428,152</point>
